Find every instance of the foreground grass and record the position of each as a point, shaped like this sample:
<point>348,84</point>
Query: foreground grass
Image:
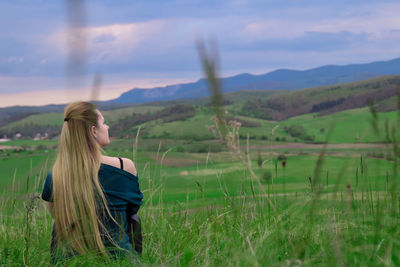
<point>215,214</point>
<point>239,232</point>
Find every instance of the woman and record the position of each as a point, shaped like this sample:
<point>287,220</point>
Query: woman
<point>93,198</point>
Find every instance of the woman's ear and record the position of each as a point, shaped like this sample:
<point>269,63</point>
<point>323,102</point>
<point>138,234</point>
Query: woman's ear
<point>93,131</point>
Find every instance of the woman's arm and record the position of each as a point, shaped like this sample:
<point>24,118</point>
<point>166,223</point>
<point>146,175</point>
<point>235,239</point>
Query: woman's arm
<point>135,231</point>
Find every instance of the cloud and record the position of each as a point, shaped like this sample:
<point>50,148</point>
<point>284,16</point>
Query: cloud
<point>110,43</point>
<point>167,43</point>
<point>103,38</point>
<point>373,20</point>
<point>15,60</point>
<point>308,41</point>
<point>115,43</point>
<point>374,23</point>
<point>136,40</point>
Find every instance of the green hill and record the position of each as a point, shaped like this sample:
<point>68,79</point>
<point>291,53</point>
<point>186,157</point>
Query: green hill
<point>300,116</point>
<point>52,122</point>
<point>325,100</point>
<point>350,126</point>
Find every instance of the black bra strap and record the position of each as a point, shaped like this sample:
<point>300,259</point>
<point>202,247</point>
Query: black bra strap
<point>122,163</point>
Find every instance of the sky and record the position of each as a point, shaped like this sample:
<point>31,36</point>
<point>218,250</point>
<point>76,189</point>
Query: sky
<point>50,51</point>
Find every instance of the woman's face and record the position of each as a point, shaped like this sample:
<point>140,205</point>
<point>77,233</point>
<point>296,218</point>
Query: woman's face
<point>101,131</point>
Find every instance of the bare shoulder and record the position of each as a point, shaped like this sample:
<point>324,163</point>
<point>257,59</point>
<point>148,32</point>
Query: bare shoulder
<point>114,161</point>
<point>129,166</point>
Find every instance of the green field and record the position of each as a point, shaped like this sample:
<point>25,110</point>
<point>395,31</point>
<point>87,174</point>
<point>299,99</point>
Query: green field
<point>21,171</point>
<point>57,118</point>
<point>113,115</point>
<point>261,203</point>
<point>351,126</point>
<point>30,143</point>
<point>39,119</point>
<point>207,208</point>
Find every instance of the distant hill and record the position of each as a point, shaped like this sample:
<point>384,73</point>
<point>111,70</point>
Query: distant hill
<point>253,100</point>
<point>15,113</point>
<point>326,99</point>
<point>256,110</point>
<point>283,79</point>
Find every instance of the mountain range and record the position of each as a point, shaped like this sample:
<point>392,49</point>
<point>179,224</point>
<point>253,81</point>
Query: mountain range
<point>282,79</point>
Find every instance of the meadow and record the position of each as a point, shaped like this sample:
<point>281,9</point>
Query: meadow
<point>236,207</point>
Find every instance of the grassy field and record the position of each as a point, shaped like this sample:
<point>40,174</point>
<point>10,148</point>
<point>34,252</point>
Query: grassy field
<point>266,204</point>
<point>351,126</point>
<point>39,119</point>
<point>113,115</point>
<point>57,118</point>
<point>207,209</point>
<point>20,172</point>
<point>30,143</point>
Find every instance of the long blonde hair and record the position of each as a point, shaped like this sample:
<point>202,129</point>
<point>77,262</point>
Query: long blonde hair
<point>78,196</point>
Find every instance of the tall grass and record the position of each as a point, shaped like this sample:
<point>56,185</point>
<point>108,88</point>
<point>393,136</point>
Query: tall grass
<point>342,231</point>
<point>354,225</point>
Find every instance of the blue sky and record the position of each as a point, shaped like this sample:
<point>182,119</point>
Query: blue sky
<point>152,43</point>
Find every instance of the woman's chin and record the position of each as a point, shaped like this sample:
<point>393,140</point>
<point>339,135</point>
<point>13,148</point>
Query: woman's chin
<point>104,144</point>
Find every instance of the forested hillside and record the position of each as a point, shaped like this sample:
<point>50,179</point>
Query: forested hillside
<point>326,100</point>
<point>256,111</point>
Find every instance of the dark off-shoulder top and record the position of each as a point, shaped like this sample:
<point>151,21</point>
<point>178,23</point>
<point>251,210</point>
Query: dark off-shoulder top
<point>123,195</point>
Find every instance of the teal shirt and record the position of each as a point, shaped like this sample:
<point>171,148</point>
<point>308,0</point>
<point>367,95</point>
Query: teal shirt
<point>123,196</point>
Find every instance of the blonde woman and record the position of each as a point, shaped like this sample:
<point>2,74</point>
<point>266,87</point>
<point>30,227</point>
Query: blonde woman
<point>93,198</point>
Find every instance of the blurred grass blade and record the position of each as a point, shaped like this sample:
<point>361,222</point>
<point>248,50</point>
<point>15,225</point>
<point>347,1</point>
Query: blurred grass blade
<point>209,61</point>
<point>95,92</point>
<point>76,38</point>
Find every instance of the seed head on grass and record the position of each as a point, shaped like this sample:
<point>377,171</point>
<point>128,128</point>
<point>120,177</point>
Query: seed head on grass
<point>228,137</point>
<point>234,124</point>
<point>211,129</point>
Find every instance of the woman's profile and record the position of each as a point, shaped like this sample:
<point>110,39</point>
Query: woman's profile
<point>94,199</point>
